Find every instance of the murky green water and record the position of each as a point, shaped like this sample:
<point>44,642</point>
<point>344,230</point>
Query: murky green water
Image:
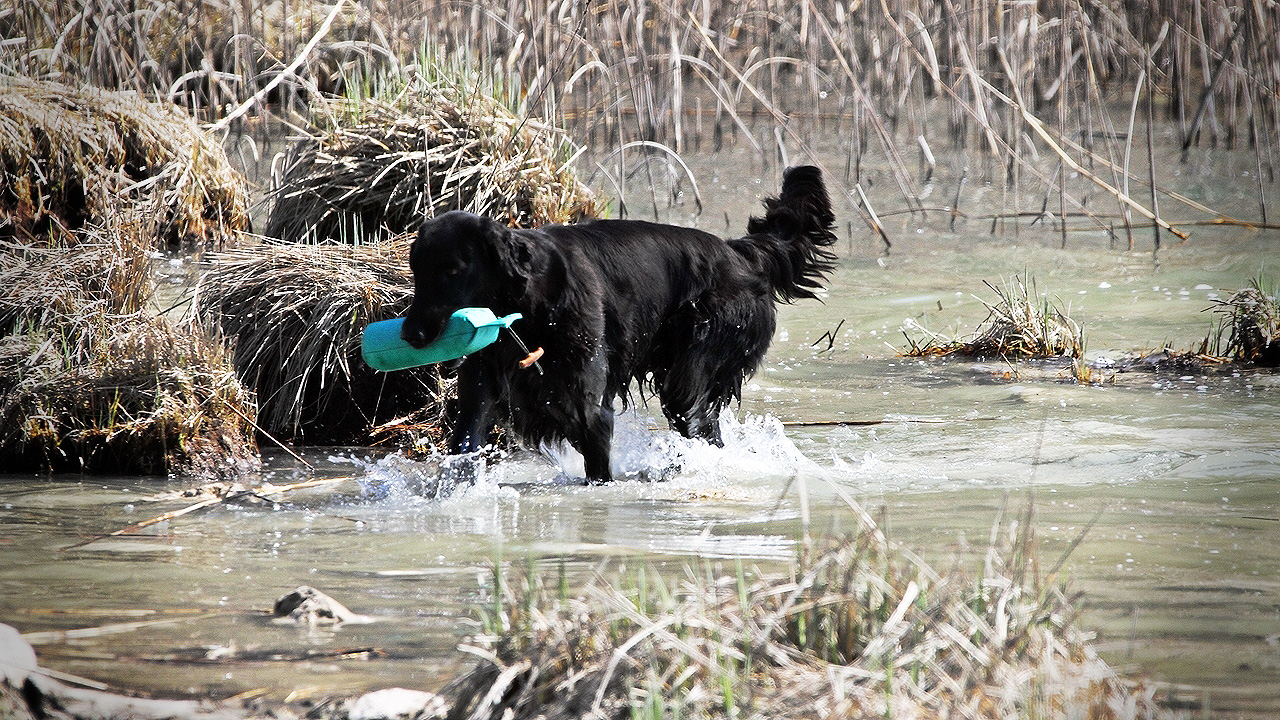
<point>1179,476</point>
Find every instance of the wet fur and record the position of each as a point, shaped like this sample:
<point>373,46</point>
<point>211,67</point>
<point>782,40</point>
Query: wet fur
<point>687,315</point>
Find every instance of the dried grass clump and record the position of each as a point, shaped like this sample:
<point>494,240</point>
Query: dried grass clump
<point>1249,320</point>
<point>1020,325</point>
<point>856,631</point>
<point>122,394</point>
<point>376,167</point>
<point>295,314</point>
<point>99,272</point>
<point>73,157</point>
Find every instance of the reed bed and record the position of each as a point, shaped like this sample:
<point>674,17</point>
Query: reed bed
<point>104,271</point>
<point>376,166</point>
<point>1054,103</point>
<point>90,379</point>
<point>295,315</point>
<point>78,156</point>
<point>1021,324</point>
<point>855,630</point>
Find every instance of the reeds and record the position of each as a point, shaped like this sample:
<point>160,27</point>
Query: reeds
<point>295,314</point>
<point>857,630</point>
<point>1021,324</point>
<point>90,379</point>
<point>131,395</point>
<point>1019,92</point>
<point>376,166</point>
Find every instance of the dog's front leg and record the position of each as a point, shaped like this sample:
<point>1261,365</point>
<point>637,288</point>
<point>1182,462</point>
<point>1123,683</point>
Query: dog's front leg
<point>594,446</point>
<point>473,418</point>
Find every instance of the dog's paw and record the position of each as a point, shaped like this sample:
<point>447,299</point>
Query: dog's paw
<point>454,471</point>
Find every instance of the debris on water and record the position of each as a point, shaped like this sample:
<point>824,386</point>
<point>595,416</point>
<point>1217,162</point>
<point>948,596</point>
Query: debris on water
<point>1021,324</point>
<point>397,704</point>
<point>308,606</point>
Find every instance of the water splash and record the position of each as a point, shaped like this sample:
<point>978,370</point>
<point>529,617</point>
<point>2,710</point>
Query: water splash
<point>756,451</point>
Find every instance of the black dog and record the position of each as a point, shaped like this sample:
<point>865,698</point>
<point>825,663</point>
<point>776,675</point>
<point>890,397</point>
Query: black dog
<point>686,314</point>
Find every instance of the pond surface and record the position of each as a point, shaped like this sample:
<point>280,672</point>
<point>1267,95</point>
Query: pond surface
<point>1176,477</point>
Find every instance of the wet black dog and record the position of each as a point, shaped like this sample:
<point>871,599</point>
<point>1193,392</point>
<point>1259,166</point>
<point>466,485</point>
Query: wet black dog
<point>686,314</point>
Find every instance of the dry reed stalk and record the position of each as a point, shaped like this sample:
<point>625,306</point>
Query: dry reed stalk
<point>295,314</point>
<point>72,157</point>
<point>378,166</point>
<point>855,630</point>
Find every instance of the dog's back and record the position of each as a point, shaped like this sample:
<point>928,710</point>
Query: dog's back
<point>650,273</point>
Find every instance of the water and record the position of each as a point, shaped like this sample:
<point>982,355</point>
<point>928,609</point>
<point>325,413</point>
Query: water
<point>1173,476</point>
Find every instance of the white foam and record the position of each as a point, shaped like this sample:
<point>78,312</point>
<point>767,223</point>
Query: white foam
<point>756,452</point>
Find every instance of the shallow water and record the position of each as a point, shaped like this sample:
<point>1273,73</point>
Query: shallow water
<point>1174,475</point>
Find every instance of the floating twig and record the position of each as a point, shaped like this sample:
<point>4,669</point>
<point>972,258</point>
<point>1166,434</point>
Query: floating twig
<point>264,491</point>
<point>882,421</point>
<point>829,336</point>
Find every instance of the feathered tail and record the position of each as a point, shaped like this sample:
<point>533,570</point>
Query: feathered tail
<point>790,243</point>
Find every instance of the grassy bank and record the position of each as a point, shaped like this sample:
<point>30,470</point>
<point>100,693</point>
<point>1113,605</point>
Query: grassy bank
<point>91,380</point>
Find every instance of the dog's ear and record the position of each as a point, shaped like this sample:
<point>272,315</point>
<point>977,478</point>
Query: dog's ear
<point>518,255</point>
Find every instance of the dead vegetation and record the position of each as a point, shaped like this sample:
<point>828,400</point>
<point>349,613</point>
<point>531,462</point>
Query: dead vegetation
<point>1248,327</point>
<point>121,394</point>
<point>90,379</point>
<point>1021,324</point>
<point>295,315</point>
<point>1052,103</point>
<point>376,166</point>
<point>856,630</point>
<point>73,157</point>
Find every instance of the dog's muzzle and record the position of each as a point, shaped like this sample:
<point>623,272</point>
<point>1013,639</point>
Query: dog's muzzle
<point>419,334</point>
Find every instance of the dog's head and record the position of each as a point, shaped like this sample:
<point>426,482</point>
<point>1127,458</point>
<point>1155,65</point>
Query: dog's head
<point>461,260</point>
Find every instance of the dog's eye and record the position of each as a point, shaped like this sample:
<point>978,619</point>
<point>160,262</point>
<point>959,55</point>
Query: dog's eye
<point>451,272</point>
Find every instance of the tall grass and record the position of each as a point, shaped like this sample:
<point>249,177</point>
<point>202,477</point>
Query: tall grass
<point>1052,100</point>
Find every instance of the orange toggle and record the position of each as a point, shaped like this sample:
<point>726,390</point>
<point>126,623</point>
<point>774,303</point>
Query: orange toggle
<point>531,358</point>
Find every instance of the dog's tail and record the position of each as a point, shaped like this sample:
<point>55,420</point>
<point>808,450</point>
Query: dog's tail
<point>790,244</point>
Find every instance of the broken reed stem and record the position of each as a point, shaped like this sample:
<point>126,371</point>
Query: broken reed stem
<point>235,492</point>
<point>289,72</point>
<point>1151,155</point>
